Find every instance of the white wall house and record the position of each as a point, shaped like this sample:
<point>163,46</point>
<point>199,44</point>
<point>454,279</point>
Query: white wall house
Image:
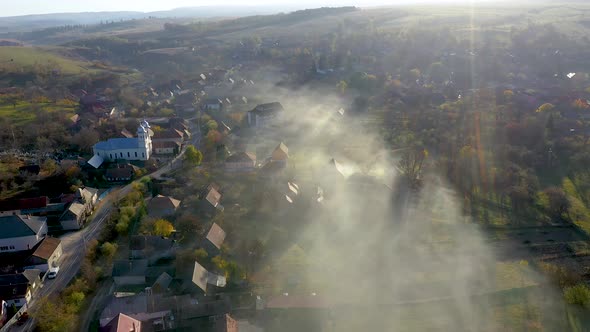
<point>139,148</point>
<point>21,232</point>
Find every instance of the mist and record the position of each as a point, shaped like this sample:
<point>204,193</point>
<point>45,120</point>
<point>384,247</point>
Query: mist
<point>374,253</point>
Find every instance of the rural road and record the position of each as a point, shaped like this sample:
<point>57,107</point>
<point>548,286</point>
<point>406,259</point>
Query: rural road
<point>74,244</point>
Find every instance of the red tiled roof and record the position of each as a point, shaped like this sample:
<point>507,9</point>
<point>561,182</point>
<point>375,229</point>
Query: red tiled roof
<point>170,133</point>
<point>122,323</point>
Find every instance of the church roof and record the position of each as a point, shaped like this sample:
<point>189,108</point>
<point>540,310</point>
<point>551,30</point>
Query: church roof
<point>117,143</point>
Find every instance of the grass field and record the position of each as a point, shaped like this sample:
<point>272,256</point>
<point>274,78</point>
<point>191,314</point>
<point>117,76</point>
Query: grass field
<point>25,112</point>
<point>13,58</point>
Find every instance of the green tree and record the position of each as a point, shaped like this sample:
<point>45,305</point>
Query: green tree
<point>212,125</point>
<point>108,250</point>
<point>193,156</point>
<point>162,227</point>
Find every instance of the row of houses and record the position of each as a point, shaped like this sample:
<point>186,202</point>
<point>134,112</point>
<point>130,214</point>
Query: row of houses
<point>247,162</point>
<point>26,252</point>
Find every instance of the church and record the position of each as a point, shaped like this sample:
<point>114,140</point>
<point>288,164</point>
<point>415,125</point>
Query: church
<point>136,148</point>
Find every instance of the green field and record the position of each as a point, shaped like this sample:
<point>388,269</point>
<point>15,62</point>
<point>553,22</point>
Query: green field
<point>25,112</point>
<point>13,59</point>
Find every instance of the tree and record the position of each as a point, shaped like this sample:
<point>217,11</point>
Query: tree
<point>108,250</point>
<point>545,108</point>
<point>415,74</point>
<point>52,317</point>
<point>49,166</point>
<point>193,156</point>
<point>162,227</point>
<point>212,125</point>
<point>411,163</point>
<point>555,201</point>
<point>85,139</point>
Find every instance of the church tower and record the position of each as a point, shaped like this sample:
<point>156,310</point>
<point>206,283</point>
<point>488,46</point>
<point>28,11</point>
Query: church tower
<point>144,140</point>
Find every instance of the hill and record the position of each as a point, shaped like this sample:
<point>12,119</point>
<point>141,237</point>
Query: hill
<point>14,58</point>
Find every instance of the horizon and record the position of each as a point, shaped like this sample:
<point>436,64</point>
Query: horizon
<point>27,8</point>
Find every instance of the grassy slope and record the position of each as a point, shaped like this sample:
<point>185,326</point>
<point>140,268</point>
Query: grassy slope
<point>24,111</point>
<point>28,56</point>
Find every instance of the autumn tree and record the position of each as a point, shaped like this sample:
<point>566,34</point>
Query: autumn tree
<point>545,108</point>
<point>162,227</point>
<point>193,156</point>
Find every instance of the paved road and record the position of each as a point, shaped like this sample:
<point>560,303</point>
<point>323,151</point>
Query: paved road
<point>74,244</point>
<point>74,248</point>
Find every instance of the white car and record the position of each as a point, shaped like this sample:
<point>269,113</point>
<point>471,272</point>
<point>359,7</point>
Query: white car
<point>53,272</point>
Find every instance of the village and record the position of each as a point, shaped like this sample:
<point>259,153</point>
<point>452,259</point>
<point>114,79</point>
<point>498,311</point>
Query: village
<point>256,174</point>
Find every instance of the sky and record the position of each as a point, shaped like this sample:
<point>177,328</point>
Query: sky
<point>27,7</point>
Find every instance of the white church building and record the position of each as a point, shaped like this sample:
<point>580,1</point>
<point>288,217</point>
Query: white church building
<point>136,148</point>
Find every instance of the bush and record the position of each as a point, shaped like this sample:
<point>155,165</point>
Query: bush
<point>578,295</point>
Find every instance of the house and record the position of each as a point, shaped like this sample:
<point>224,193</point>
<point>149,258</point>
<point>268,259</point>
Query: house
<point>179,124</point>
<point>280,154</point>
<point>212,104</point>
<point>200,277</point>
<point>264,114</point>
<point>271,170</point>
<point>240,162</point>
<point>20,232</point>
<point>165,148</point>
<point>139,148</point>
<point>88,196</point>
<point>214,197</point>
<point>162,206</point>
<point>122,323</point>
<point>169,135</point>
<point>126,133</point>
<point>207,315</point>
<point>46,255</point>
<point>74,217</point>
<point>17,289</point>
<point>214,323</point>
<point>151,247</point>
<point>153,310</point>
<point>121,173</point>
<point>24,206</point>
<point>162,284</point>
<point>130,272</point>
<point>215,238</point>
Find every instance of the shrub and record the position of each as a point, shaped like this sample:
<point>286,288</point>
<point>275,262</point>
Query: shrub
<point>578,295</point>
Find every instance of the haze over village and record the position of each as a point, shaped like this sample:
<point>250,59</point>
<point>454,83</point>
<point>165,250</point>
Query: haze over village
<point>295,167</point>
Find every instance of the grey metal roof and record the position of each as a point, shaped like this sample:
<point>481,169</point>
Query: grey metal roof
<point>200,276</point>
<point>117,143</point>
<point>19,226</point>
